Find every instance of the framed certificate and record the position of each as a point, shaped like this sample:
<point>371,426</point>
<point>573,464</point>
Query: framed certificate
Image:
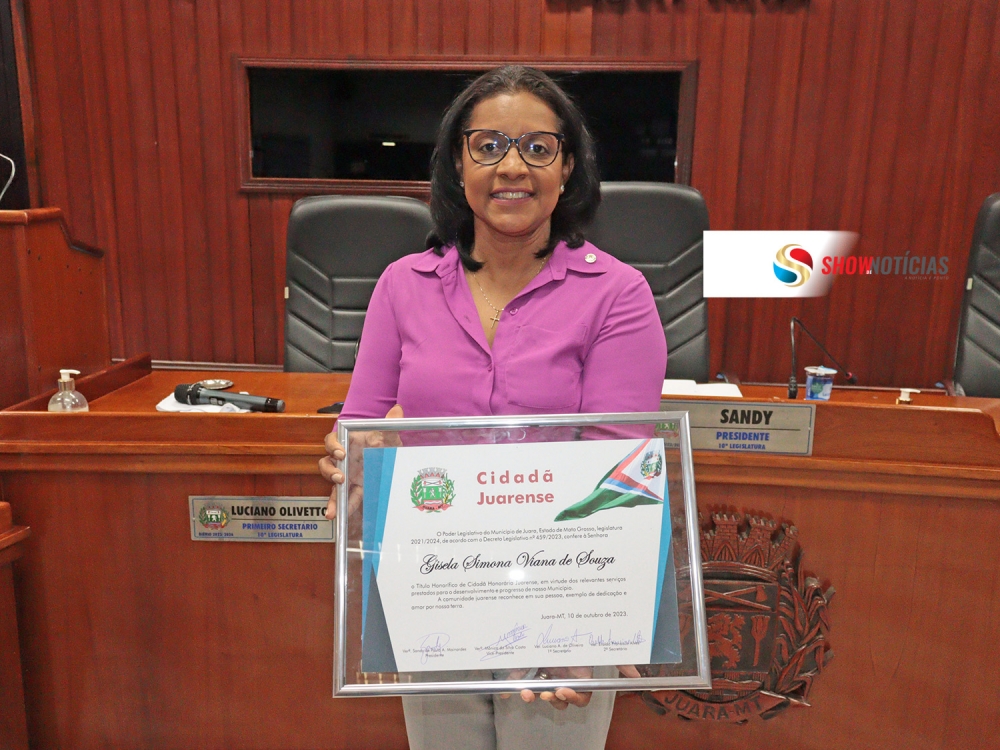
<point>493,554</point>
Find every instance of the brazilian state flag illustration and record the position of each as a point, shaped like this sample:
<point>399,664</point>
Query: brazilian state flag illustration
<point>638,479</point>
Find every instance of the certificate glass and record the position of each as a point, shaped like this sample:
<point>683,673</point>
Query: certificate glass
<point>493,554</point>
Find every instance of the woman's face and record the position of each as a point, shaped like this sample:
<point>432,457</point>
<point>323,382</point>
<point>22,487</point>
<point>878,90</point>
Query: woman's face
<point>510,198</point>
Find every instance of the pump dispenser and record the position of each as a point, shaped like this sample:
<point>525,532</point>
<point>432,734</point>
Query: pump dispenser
<point>68,398</point>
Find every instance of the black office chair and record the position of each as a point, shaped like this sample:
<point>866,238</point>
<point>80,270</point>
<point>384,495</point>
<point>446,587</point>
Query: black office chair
<point>338,247</point>
<point>977,355</point>
<point>657,229</point>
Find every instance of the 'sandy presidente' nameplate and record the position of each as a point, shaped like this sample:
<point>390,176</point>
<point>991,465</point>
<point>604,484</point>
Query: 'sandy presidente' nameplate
<point>514,556</point>
<point>746,426</point>
<point>221,518</point>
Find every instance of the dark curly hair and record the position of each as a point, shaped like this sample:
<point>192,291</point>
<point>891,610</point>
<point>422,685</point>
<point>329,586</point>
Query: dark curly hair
<point>453,218</point>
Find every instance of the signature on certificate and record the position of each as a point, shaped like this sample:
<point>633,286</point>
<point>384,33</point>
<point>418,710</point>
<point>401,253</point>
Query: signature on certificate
<point>600,639</point>
<point>506,640</point>
<point>548,638</point>
<point>431,645</point>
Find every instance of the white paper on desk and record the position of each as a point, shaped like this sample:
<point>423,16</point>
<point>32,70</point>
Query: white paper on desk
<point>172,404</point>
<point>691,388</point>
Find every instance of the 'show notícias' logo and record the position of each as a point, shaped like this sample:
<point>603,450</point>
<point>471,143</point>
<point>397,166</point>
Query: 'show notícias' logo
<point>793,265</point>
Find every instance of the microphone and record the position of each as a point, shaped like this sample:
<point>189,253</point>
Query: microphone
<point>198,394</point>
<point>793,386</point>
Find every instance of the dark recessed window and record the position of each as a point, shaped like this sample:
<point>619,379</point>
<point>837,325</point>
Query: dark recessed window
<point>380,124</point>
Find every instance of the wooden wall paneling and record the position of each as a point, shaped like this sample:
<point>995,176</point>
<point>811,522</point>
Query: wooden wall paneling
<point>554,27</point>
<point>123,258</point>
<point>833,145</point>
<point>879,208</point>
<point>529,28</point>
<point>986,164</point>
<point>191,163</point>
<point>503,32</point>
<point>725,166</point>
<point>352,25</point>
<point>281,208</point>
<point>428,27</point>
<point>938,300</point>
<point>663,28</point>
<point>72,103</point>
<point>633,33</point>
<point>148,251</point>
<point>809,115</point>
<point>753,157</point>
<point>856,296</point>
<point>231,43</point>
<point>580,29</point>
<point>685,19</point>
<point>262,263</point>
<point>279,27</point>
<point>102,192</point>
<point>176,273</point>
<point>301,29</point>
<point>478,25</point>
<point>14,375</point>
<point>52,168</point>
<point>607,24</point>
<point>218,309</point>
<point>401,22</point>
<point>254,17</point>
<point>954,231</point>
<point>711,31</point>
<point>143,160</point>
<point>453,26</point>
<point>772,86</point>
<point>909,169</point>
<point>380,29</point>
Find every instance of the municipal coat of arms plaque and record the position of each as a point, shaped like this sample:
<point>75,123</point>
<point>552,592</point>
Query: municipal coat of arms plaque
<point>768,623</point>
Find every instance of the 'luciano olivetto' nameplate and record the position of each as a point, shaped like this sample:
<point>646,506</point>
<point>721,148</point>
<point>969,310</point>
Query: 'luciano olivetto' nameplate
<point>221,518</point>
<point>748,426</point>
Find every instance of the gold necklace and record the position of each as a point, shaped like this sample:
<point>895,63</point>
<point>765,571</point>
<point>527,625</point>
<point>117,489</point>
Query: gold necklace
<point>498,312</point>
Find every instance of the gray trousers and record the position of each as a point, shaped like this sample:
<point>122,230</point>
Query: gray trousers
<point>489,722</point>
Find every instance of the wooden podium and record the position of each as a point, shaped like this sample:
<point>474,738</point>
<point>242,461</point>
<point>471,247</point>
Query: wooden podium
<point>133,635</point>
<point>55,315</point>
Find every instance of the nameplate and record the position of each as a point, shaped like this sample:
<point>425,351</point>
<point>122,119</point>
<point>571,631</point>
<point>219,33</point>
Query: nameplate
<point>227,518</point>
<point>748,427</point>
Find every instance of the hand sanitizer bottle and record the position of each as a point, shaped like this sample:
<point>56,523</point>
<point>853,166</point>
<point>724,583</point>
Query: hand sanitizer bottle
<point>68,398</point>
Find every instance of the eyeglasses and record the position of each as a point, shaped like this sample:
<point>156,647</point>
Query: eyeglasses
<point>489,147</point>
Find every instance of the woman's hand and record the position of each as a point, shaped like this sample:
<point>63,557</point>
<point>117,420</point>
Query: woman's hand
<point>564,697</point>
<point>329,465</point>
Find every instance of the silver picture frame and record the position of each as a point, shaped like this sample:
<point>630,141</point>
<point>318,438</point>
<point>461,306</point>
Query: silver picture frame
<point>693,672</point>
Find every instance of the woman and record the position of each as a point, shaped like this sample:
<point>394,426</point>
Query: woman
<point>509,312</point>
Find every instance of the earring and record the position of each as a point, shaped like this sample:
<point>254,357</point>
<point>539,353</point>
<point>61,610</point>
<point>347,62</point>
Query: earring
<point>562,188</point>
<point>461,184</point>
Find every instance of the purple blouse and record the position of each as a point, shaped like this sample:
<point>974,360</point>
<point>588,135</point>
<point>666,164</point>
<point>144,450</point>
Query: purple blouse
<point>580,337</point>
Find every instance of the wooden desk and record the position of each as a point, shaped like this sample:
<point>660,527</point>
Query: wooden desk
<point>134,636</point>
<point>13,724</point>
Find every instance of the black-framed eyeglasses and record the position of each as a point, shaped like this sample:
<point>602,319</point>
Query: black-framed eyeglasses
<point>488,147</point>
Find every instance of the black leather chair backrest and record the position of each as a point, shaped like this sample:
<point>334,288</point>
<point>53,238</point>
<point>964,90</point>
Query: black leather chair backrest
<point>977,359</point>
<point>657,228</point>
<point>338,247</point>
